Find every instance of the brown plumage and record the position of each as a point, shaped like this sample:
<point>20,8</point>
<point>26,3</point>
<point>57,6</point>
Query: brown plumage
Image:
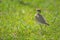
<point>40,18</point>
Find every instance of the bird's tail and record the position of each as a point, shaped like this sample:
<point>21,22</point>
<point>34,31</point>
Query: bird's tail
<point>47,24</point>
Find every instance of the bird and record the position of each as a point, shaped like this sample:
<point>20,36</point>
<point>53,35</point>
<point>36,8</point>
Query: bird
<point>39,18</point>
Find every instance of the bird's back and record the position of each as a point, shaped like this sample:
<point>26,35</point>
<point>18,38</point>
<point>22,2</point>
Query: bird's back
<point>40,18</point>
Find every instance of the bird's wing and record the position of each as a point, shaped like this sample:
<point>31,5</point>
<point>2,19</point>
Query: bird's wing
<point>40,19</point>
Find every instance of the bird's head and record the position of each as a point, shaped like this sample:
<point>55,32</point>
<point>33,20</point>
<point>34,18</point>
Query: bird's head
<point>38,10</point>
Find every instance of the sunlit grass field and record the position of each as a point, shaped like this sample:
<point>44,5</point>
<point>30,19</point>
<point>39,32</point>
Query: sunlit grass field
<point>17,20</point>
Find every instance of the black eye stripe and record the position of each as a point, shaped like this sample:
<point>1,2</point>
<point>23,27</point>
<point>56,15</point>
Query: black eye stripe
<point>39,10</point>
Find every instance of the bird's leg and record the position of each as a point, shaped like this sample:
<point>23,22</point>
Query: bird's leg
<point>41,27</point>
<point>46,28</point>
<point>41,30</point>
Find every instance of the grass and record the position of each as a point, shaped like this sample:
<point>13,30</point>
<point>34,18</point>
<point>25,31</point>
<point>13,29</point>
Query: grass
<point>17,20</point>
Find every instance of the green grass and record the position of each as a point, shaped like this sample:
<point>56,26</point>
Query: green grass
<point>17,20</point>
